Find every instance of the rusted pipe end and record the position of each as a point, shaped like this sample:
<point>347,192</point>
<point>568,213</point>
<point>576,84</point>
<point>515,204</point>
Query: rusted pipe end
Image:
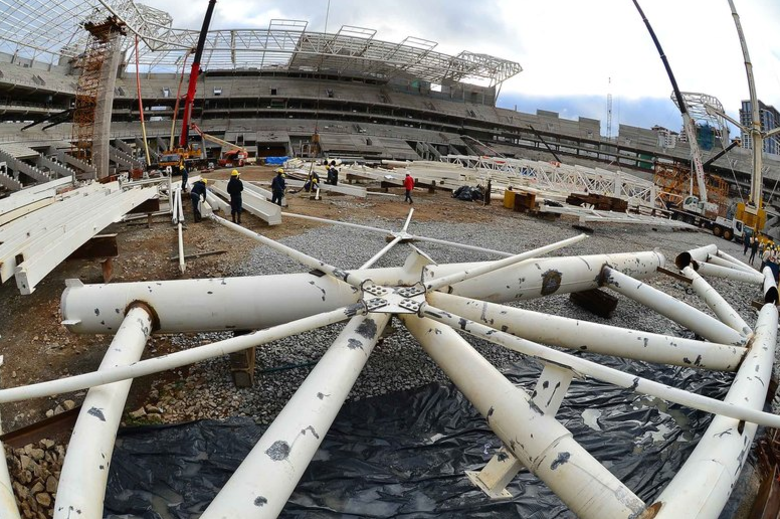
<point>603,278</point>
<point>771,296</point>
<point>146,307</point>
<point>683,260</point>
<point>651,511</point>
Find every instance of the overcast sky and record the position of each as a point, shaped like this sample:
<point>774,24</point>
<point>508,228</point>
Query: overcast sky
<point>569,49</point>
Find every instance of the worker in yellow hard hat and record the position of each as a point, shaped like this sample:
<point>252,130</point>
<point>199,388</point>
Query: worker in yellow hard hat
<point>234,188</point>
<point>277,187</point>
<point>197,194</point>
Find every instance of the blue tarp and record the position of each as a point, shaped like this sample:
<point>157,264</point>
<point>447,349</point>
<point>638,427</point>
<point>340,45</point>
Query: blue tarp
<point>276,161</point>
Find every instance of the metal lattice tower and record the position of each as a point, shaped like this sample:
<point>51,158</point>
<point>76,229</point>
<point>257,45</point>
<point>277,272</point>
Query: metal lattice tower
<point>100,46</point>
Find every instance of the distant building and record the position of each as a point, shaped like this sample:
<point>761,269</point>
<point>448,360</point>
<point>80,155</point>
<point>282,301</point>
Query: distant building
<point>770,119</point>
<point>666,138</point>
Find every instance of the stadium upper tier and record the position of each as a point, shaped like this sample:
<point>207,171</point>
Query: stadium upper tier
<point>48,30</point>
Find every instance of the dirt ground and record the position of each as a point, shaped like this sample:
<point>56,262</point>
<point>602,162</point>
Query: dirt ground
<point>36,347</point>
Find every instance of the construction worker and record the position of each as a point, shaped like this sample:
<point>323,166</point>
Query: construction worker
<point>313,183</point>
<point>234,188</point>
<point>277,187</point>
<point>408,186</point>
<point>197,194</point>
<point>184,176</point>
<point>333,174</point>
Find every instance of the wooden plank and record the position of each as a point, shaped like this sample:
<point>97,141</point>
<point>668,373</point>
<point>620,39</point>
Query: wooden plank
<point>675,275</point>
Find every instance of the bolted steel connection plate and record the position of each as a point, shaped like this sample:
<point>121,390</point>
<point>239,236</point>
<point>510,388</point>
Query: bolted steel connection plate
<point>393,300</point>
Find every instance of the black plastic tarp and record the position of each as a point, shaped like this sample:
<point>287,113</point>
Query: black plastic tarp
<point>405,454</point>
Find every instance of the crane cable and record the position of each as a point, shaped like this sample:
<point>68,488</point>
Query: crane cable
<point>141,102</point>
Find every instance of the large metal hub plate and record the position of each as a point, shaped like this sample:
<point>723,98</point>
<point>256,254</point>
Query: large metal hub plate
<point>393,300</point>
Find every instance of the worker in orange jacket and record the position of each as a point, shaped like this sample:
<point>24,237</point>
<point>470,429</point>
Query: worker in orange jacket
<point>408,185</point>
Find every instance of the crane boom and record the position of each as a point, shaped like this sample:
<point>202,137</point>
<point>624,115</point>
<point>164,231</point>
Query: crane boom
<point>216,140</point>
<point>757,138</point>
<point>690,129</point>
<point>194,73</point>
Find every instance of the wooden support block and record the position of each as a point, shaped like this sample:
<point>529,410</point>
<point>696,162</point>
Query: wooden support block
<point>595,301</point>
<point>432,187</point>
<point>524,202</point>
<point>149,206</point>
<point>99,246</point>
<point>107,266</point>
<point>242,364</point>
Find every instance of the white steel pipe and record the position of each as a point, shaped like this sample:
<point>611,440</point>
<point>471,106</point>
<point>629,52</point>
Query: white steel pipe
<point>212,304</point>
<point>408,220</point>
<point>679,312</point>
<point>740,264</point>
<point>82,484</point>
<point>536,438</point>
<point>700,254</point>
<point>8,508</point>
<point>600,372</point>
<point>381,253</point>
<point>437,283</point>
<point>263,482</point>
<point>770,286</point>
<point>456,245</point>
<point>593,337</point>
<point>175,204</point>
<point>250,303</point>
<point>177,359</point>
<point>298,256</point>
<point>701,488</point>
<point>561,275</point>
<point>714,271</point>
<point>716,303</point>
<point>715,260</point>
<point>336,222</point>
<point>182,266</point>
<point>180,207</point>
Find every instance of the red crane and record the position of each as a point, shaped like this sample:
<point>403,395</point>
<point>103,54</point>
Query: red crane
<point>194,73</point>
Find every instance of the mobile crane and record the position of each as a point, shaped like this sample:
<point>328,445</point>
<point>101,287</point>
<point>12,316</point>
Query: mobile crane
<point>233,158</point>
<point>697,210</point>
<point>185,152</point>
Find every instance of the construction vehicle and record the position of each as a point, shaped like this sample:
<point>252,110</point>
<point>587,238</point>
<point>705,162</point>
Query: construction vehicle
<point>185,152</point>
<point>697,210</point>
<point>235,157</point>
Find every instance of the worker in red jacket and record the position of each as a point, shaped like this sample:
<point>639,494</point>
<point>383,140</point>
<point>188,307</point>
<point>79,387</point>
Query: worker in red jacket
<point>408,185</point>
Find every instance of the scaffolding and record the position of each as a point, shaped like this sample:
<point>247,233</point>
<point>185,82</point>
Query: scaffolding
<point>100,46</point>
<point>674,182</point>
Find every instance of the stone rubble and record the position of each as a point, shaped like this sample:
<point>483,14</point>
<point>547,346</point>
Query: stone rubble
<point>35,473</point>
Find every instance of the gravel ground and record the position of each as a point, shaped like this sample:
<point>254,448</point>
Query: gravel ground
<point>207,391</point>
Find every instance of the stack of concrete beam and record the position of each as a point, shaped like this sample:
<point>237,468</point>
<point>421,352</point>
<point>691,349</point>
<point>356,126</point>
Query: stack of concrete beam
<point>32,245</point>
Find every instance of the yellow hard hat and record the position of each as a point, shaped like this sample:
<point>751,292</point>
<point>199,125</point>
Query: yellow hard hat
<point>205,181</point>
<point>234,173</point>
<point>280,170</point>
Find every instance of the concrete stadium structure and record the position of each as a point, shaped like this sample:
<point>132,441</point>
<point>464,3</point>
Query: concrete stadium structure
<point>272,90</point>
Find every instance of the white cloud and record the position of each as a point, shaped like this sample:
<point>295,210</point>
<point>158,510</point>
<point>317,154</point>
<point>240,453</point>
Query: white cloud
<point>566,47</point>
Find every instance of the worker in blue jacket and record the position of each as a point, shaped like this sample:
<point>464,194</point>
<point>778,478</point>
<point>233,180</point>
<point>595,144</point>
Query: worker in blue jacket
<point>197,193</point>
<point>234,188</point>
<point>277,187</point>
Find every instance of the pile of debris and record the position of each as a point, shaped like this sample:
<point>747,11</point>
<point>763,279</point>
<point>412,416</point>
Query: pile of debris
<point>35,472</point>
